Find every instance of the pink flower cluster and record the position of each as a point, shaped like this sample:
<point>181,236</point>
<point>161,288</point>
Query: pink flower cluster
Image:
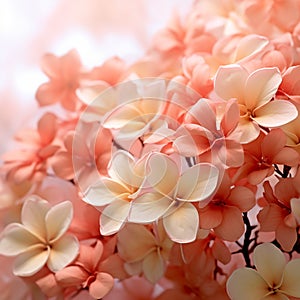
<point>175,177</point>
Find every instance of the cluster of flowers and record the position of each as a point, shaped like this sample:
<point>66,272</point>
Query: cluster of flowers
<point>176,177</point>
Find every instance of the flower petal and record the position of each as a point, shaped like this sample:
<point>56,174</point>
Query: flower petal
<point>261,86</point>
<point>113,217</point>
<point>291,284</point>
<point>58,220</point>
<point>275,113</point>
<point>101,286</point>
<point>122,169</point>
<point>63,252</point>
<point>230,82</point>
<point>130,250</point>
<point>31,262</point>
<point>16,239</point>
<point>153,266</point>
<point>197,183</point>
<point>232,225</point>
<point>104,192</point>
<point>148,208</point>
<point>246,283</point>
<point>182,224</point>
<point>71,276</point>
<point>33,215</point>
<point>269,262</point>
<point>295,207</point>
<point>163,173</point>
<point>249,130</point>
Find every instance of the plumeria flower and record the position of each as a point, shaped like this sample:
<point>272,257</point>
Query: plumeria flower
<point>174,195</point>
<point>272,279</point>
<point>254,93</point>
<point>87,272</point>
<point>211,128</point>
<point>30,162</point>
<point>149,255</point>
<point>41,239</point>
<point>135,118</point>
<point>117,191</point>
<point>64,75</point>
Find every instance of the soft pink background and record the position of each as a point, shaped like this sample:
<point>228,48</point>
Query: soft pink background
<point>96,28</point>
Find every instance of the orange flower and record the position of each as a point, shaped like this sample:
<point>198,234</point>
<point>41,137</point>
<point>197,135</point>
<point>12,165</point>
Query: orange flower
<point>31,163</point>
<point>64,75</point>
<point>223,213</point>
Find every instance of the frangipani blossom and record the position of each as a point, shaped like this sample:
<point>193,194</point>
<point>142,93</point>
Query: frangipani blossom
<point>272,279</point>
<point>30,163</point>
<point>117,191</point>
<point>86,272</point>
<point>40,239</point>
<point>254,93</point>
<point>64,75</point>
<point>174,196</point>
<point>211,128</point>
<point>135,119</point>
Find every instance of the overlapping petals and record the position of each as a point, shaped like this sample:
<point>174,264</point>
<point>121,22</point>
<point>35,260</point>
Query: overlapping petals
<point>272,279</point>
<point>41,238</point>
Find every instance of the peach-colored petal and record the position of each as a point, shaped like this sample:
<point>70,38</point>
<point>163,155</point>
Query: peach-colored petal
<point>194,141</point>
<point>163,173</point>
<point>71,276</point>
<point>148,208</point>
<point>232,225</point>
<point>63,252</point>
<point>269,262</point>
<point>258,176</point>
<point>58,220</point>
<point>272,143</point>
<point>270,217</point>
<point>287,156</point>
<point>203,114</point>
<point>286,236</point>
<point>33,215</point>
<point>182,224</point>
<point>197,183</point>
<point>261,87</point>
<point>246,284</point>
<point>249,130</point>
<point>291,284</point>
<point>295,207</point>
<point>101,286</point>
<point>47,128</point>
<point>241,197</point>
<point>231,117</point>
<point>153,266</point>
<point>31,262</point>
<point>230,82</point>
<point>16,239</point>
<point>130,250</point>
<point>275,113</point>
<point>210,217</point>
<point>113,217</point>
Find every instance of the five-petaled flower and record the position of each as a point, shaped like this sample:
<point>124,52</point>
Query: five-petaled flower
<point>41,239</point>
<point>272,279</point>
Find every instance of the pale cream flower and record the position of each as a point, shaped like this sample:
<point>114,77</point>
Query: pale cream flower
<point>41,238</point>
<point>273,278</point>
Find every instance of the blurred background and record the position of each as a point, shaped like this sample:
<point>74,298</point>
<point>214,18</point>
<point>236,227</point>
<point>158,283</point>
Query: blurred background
<point>98,29</point>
